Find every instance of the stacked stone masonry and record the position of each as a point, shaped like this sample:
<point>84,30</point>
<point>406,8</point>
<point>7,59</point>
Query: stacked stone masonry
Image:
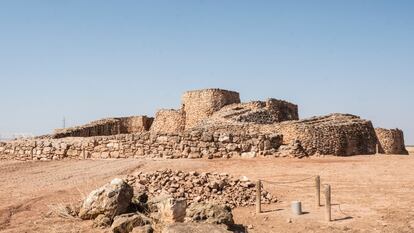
<point>335,134</point>
<point>201,104</point>
<point>192,144</point>
<point>256,112</point>
<point>168,121</point>
<point>109,126</point>
<point>212,123</point>
<point>282,110</point>
<point>391,141</point>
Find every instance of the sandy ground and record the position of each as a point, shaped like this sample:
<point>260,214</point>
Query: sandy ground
<point>369,193</point>
<point>410,149</point>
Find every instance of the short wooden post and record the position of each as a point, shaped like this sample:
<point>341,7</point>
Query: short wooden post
<point>258,197</point>
<point>328,202</point>
<point>318,190</point>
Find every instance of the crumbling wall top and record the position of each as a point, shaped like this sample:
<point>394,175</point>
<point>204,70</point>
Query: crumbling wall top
<point>209,90</point>
<point>107,126</point>
<point>199,104</point>
<point>168,121</point>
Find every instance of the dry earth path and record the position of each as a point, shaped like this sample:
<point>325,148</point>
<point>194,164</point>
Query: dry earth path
<point>369,193</point>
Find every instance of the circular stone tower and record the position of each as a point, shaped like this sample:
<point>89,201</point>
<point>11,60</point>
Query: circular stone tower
<point>391,141</point>
<point>200,104</point>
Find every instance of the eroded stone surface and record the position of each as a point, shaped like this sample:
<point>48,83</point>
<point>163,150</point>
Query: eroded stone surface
<point>335,134</point>
<point>210,213</point>
<point>391,141</point>
<point>195,228</point>
<point>125,223</point>
<point>110,200</point>
<point>171,210</point>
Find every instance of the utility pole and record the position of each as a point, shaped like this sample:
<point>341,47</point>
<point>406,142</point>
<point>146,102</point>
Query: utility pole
<point>64,123</point>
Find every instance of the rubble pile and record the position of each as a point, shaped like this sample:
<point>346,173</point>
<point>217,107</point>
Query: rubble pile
<point>198,187</point>
<point>118,209</point>
<point>258,112</point>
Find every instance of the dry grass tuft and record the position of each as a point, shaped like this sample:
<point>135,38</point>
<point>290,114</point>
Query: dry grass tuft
<point>64,210</point>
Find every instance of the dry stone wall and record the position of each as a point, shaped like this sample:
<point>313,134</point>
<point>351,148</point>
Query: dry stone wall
<point>168,121</point>
<point>282,110</point>
<point>391,141</point>
<point>191,144</point>
<point>200,104</point>
<point>213,123</point>
<point>335,134</point>
<point>135,124</point>
<point>257,112</point>
<point>109,126</point>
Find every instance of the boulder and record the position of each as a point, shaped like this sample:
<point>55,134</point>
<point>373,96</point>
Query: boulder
<point>102,221</point>
<point>143,229</point>
<point>250,154</point>
<point>110,200</point>
<point>224,138</point>
<point>172,210</point>
<point>125,223</point>
<point>210,213</point>
<point>195,228</point>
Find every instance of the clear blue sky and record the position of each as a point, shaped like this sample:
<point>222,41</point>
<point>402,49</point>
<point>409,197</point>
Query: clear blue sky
<point>92,59</point>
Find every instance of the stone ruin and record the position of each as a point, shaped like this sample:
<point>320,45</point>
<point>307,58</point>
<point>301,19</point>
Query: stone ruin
<point>213,123</point>
<point>391,141</point>
<point>108,126</point>
<point>337,134</point>
<point>168,121</point>
<point>199,105</point>
<point>259,112</point>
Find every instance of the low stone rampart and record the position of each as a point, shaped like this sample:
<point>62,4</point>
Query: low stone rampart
<point>190,144</point>
<point>108,126</point>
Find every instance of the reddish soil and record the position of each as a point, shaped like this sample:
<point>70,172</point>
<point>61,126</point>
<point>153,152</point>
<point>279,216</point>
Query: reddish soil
<point>369,193</point>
